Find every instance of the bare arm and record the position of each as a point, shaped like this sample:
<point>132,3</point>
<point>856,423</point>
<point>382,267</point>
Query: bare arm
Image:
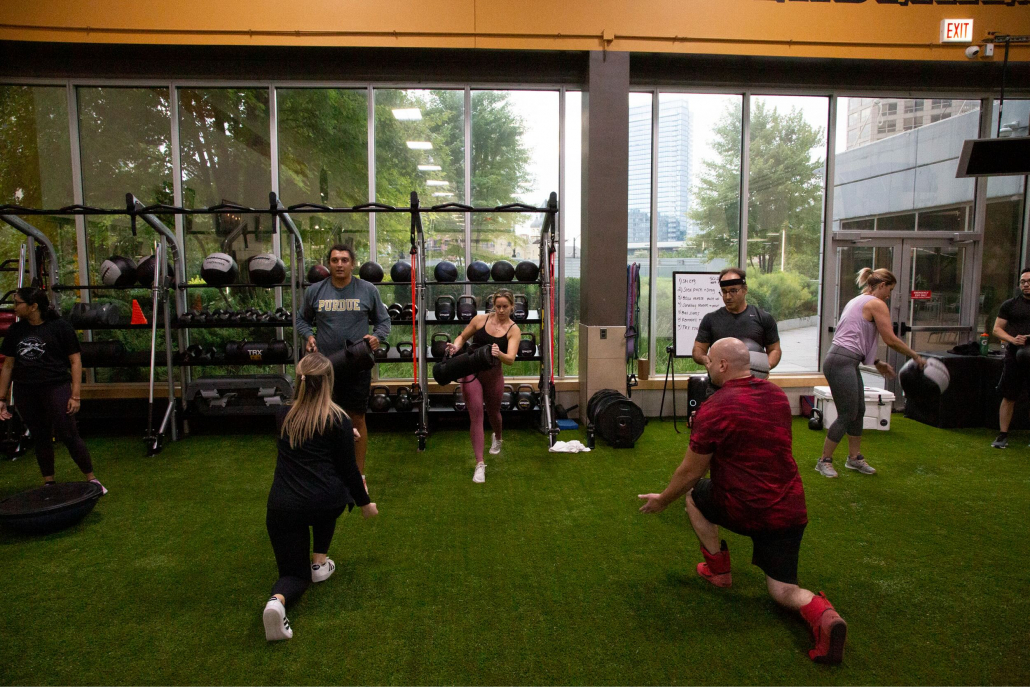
<point>700,353</point>
<point>882,319</point>
<point>74,401</point>
<point>693,468</point>
<point>477,323</point>
<point>514,336</point>
<point>999,331</point>
<point>775,353</point>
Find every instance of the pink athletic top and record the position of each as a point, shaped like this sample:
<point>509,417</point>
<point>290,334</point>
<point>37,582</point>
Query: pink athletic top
<point>854,332</point>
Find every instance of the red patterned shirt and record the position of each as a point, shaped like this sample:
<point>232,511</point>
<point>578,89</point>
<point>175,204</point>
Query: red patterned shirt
<point>746,425</point>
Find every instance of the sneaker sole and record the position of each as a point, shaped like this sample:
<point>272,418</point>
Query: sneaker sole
<point>825,475</point>
<point>859,470</point>
<point>273,626</point>
<point>838,635</point>
<point>996,446</point>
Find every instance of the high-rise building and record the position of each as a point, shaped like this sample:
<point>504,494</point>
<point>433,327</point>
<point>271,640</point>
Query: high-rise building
<point>874,119</point>
<point>675,142</point>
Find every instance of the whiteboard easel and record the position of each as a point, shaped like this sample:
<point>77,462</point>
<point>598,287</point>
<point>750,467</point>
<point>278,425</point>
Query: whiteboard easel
<point>694,295</point>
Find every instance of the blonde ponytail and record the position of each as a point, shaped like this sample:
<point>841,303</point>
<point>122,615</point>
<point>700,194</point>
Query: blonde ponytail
<point>312,410</point>
<point>868,278</point>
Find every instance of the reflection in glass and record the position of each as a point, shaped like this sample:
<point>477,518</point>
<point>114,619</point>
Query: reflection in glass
<point>937,271</point>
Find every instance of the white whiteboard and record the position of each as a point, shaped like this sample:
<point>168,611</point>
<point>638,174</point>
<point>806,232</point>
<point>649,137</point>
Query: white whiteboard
<point>694,295</point>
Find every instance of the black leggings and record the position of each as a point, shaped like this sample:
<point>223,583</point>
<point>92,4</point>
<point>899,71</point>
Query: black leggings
<point>44,409</point>
<point>288,531</point>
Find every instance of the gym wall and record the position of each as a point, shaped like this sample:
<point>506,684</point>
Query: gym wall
<point>872,29</point>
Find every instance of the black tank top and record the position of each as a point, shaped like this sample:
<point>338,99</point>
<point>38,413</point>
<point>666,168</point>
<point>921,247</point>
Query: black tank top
<point>483,338</point>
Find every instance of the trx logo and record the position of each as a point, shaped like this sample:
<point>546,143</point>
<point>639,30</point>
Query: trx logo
<point>339,305</point>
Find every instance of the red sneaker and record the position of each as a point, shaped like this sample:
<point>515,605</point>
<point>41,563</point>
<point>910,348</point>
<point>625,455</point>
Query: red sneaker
<point>828,630</point>
<point>716,569</point>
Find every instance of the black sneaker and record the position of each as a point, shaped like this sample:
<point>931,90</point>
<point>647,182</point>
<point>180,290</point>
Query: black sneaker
<point>1001,442</point>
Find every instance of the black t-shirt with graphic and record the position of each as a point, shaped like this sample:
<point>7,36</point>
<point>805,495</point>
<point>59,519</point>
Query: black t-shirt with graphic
<point>41,351</point>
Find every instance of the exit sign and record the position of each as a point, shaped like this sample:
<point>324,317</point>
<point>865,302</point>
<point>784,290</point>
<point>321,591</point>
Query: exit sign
<point>956,31</point>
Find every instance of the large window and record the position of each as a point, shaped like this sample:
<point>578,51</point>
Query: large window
<point>785,219</point>
<point>698,218</point>
<point>35,171</point>
<point>570,207</point>
<point>641,110</point>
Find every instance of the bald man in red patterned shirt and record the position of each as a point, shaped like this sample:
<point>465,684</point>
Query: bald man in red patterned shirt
<point>743,435</point>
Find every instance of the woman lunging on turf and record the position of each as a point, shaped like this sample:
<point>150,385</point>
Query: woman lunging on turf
<point>44,359</point>
<point>496,330</point>
<point>316,479</point>
<point>854,342</point>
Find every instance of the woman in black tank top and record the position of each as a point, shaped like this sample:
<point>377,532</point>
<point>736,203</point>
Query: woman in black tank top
<point>496,330</point>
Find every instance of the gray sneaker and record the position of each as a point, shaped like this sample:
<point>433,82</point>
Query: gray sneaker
<point>825,467</point>
<point>1000,442</point>
<point>858,463</point>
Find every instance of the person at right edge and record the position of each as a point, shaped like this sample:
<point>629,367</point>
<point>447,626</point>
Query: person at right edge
<point>743,435</point>
<point>1013,327</point>
<point>854,343</point>
<point>337,312</point>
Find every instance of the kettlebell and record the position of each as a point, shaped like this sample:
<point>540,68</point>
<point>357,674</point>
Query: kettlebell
<point>508,397</point>
<point>444,308</point>
<point>409,312</point>
<point>466,308</point>
<point>527,346</point>
<point>380,399</point>
<point>520,309</point>
<point>526,399</point>
<point>395,310</point>
<point>405,350</point>
<point>438,347</point>
<point>490,303</point>
<point>816,421</point>
<point>382,351</point>
<point>402,401</point>
<point>459,399</point>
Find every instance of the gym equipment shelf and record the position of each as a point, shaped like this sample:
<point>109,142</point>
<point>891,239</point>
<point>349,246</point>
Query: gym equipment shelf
<point>192,325</point>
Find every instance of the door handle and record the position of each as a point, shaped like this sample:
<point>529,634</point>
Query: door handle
<point>904,329</point>
<point>894,328</point>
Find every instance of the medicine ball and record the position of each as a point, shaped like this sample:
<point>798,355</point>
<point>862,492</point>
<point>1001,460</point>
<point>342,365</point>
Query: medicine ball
<point>317,273</point>
<point>478,271</point>
<point>371,271</point>
<point>266,270</point>
<point>445,271</point>
<point>527,271</point>
<point>118,271</point>
<point>146,269</point>
<point>502,270</point>
<point>401,272</point>
<point>929,382</point>
<point>759,365</point>
<point>219,269</point>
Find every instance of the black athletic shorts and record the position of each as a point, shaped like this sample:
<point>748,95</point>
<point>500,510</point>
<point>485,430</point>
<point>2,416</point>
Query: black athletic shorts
<point>1013,377</point>
<point>350,391</point>
<point>776,552</point>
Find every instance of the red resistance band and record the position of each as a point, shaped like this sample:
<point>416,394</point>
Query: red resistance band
<point>551,333</point>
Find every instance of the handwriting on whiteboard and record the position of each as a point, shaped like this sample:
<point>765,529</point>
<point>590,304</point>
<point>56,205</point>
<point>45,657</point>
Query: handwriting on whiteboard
<point>695,294</point>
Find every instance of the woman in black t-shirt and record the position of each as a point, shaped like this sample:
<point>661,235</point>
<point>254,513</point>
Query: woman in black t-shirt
<point>40,349</point>
<point>316,478</point>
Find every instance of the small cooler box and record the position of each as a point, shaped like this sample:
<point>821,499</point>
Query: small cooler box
<point>878,406</point>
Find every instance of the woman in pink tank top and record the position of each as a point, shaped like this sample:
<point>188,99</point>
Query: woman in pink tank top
<point>854,343</point>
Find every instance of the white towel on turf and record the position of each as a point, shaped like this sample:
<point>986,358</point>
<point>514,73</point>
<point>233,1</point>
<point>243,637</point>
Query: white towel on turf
<point>573,446</point>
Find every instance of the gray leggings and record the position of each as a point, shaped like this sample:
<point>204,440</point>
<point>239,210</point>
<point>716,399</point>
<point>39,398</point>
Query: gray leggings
<point>840,367</point>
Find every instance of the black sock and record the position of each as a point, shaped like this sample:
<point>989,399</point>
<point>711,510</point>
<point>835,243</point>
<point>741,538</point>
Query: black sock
<point>1002,435</point>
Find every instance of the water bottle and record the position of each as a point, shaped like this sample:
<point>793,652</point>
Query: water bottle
<point>984,338</point>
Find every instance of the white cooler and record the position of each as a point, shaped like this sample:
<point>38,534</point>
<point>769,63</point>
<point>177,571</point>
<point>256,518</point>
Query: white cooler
<point>878,406</point>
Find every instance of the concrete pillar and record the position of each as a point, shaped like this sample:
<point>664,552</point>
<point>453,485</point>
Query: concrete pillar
<point>605,216</point>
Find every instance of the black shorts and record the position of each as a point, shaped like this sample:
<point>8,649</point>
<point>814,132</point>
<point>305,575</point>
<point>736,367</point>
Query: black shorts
<point>350,391</point>
<point>776,552</point>
<point>1013,380</point>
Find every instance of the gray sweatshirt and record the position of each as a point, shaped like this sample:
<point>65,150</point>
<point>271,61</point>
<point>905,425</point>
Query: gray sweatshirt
<point>342,315</point>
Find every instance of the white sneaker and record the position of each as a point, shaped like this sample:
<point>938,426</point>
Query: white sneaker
<point>480,474</point>
<point>321,572</point>
<point>495,445</point>
<point>277,626</point>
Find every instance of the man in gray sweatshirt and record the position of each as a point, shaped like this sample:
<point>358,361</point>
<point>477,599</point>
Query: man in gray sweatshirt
<point>338,311</point>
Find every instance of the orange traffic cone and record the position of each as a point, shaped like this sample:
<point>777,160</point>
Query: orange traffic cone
<point>137,314</point>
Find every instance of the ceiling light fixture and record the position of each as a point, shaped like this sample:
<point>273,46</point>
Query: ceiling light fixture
<point>420,145</point>
<point>407,114</point>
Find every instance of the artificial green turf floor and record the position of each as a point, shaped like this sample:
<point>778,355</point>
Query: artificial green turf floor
<point>546,574</point>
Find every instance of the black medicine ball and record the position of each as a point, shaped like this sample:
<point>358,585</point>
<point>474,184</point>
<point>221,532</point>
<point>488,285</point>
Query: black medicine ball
<point>371,271</point>
<point>527,271</point>
<point>317,273</point>
<point>219,269</point>
<point>401,272</point>
<point>445,271</point>
<point>266,270</point>
<point>478,271</point>
<point>502,271</point>
<point>118,271</point>
<point>145,272</point>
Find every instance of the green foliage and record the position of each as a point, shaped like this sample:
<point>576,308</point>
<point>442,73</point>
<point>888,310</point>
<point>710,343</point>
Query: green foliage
<point>785,295</point>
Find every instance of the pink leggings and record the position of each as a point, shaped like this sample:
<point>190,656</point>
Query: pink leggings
<point>489,386</point>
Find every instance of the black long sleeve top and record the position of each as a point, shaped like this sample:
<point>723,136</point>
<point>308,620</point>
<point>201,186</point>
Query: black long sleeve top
<point>321,473</point>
